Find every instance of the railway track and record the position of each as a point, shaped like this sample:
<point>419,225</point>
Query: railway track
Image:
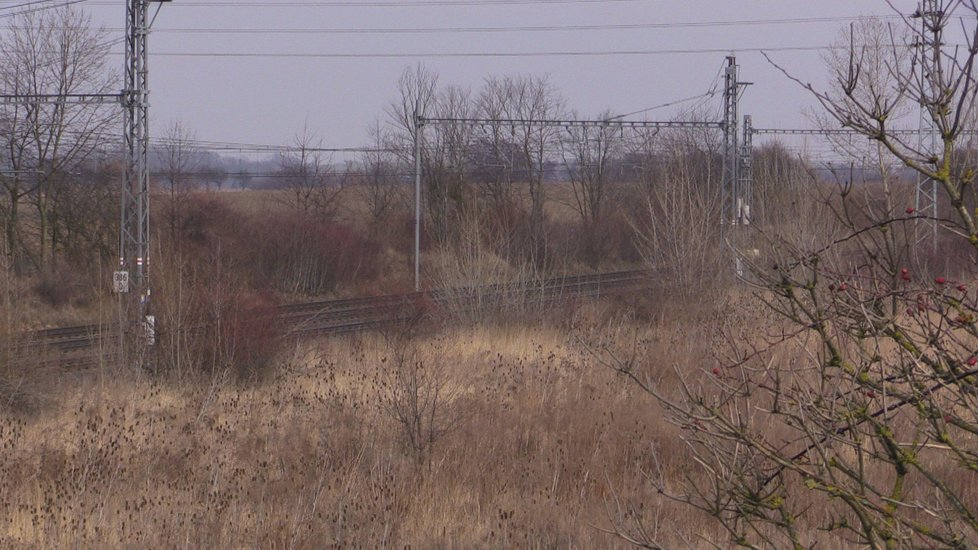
<point>65,339</point>
<point>76,346</point>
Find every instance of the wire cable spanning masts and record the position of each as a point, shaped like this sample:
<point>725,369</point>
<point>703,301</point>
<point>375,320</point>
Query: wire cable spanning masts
<point>26,8</point>
<point>234,147</point>
<point>803,132</point>
<point>498,29</point>
<point>59,99</point>
<point>378,3</point>
<point>838,132</point>
<point>562,123</point>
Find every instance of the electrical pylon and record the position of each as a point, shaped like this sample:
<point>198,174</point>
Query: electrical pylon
<point>746,174</point>
<point>926,195</point>
<point>735,189</point>
<point>134,255</point>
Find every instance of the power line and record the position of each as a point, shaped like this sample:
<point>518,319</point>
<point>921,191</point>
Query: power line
<point>261,148</point>
<point>566,123</point>
<point>503,29</point>
<point>663,105</point>
<point>379,3</point>
<point>712,92</point>
<point>832,132</point>
<point>38,6</point>
<point>515,169</point>
<point>417,55</point>
<point>25,4</point>
<point>554,53</point>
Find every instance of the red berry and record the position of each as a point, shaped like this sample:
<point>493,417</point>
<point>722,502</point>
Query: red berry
<point>962,288</point>
<point>940,280</point>
<point>842,287</point>
<point>716,371</point>
<point>910,210</point>
<point>972,361</point>
<point>871,394</point>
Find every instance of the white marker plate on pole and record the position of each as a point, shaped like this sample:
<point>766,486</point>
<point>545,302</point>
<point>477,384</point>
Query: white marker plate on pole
<point>120,282</point>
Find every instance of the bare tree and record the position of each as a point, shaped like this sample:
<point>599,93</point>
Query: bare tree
<point>86,212</point>
<point>675,202</point>
<point>178,160</point>
<point>494,156</point>
<point>640,162</point>
<point>444,145</point>
<point>778,176</point>
<point>589,155</point>
<point>675,225</point>
<point>417,393</point>
<point>214,174</point>
<point>525,100</point>
<point>853,421</point>
<point>417,86</point>
<point>380,185</point>
<point>243,178</point>
<point>305,171</point>
<point>49,52</point>
<point>445,160</point>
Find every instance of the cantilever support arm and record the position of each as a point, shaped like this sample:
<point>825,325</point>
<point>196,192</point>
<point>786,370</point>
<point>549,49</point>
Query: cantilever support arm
<point>57,99</point>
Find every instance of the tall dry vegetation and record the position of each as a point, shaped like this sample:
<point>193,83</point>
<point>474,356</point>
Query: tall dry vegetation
<point>50,51</point>
<point>841,415</point>
<point>851,419</point>
<point>476,438</point>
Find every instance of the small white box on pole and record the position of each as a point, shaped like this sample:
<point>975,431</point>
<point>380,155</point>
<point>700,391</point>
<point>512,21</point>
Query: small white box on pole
<point>149,324</point>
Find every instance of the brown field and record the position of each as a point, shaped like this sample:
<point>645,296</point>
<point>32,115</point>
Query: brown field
<point>533,444</point>
<point>499,428</point>
<point>800,371</point>
<point>559,206</point>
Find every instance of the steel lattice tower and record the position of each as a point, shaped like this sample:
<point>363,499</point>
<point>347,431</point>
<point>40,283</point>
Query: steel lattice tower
<point>746,174</point>
<point>926,195</point>
<point>737,173</point>
<point>731,153</point>
<point>132,279</point>
<point>134,230</point>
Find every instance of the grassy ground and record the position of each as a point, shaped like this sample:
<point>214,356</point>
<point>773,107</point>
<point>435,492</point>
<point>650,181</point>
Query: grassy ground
<point>525,441</point>
<point>70,296</point>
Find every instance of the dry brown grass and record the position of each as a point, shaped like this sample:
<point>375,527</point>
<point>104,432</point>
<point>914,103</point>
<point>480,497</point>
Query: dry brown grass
<point>351,210</point>
<point>534,444</point>
<point>539,445</point>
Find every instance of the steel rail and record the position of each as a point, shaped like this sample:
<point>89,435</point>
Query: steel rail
<point>68,347</point>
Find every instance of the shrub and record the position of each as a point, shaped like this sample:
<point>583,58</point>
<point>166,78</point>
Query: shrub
<point>309,256</point>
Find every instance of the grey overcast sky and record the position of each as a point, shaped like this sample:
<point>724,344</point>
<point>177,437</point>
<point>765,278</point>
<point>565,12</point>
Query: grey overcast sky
<point>268,99</point>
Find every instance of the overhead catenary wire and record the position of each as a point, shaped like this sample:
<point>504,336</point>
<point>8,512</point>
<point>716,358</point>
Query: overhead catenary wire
<point>400,55</point>
<point>496,54</point>
<point>711,92</point>
<point>339,174</point>
<point>502,29</point>
<point>663,105</point>
<point>422,55</point>
<point>25,4</point>
<point>39,6</point>
<point>262,148</point>
<point>377,3</point>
